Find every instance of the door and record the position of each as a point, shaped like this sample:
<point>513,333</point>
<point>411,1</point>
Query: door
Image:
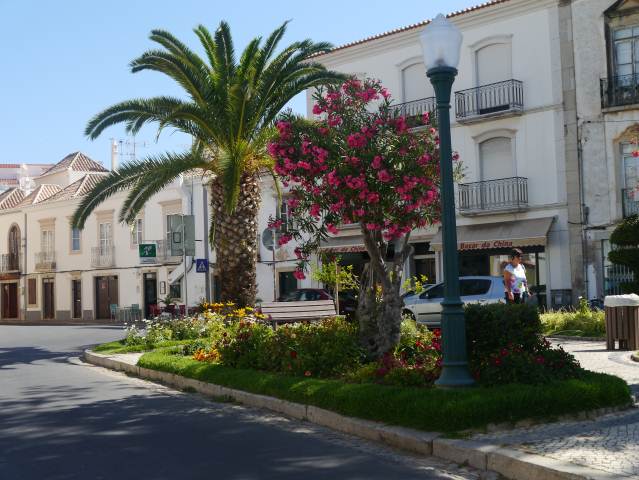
<point>9,300</point>
<point>106,294</point>
<point>493,66</point>
<point>48,296</point>
<point>150,293</point>
<point>76,298</point>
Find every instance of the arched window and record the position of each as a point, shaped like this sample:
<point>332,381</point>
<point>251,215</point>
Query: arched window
<point>496,158</point>
<point>493,63</point>
<point>14,240</point>
<point>415,83</point>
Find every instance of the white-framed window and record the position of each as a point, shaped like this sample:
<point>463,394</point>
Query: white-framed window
<point>105,239</point>
<point>75,240</point>
<point>175,290</point>
<point>283,214</point>
<point>626,53</point>
<point>47,240</point>
<point>629,166</point>
<point>415,84</point>
<point>137,232</point>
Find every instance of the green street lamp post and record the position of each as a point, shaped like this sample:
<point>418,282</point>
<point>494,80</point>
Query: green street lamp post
<point>441,42</point>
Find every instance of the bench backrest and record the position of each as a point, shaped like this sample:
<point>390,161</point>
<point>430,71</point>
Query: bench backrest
<point>281,312</point>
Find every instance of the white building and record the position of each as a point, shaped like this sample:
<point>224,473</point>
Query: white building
<point>50,271</point>
<point>510,129</point>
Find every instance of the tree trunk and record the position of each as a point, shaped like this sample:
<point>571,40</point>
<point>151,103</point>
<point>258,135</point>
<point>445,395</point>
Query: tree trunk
<point>379,307</point>
<point>235,241</point>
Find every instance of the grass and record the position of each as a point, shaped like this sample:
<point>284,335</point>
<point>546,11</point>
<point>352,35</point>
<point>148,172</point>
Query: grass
<point>119,346</point>
<point>425,409</point>
<point>580,323</point>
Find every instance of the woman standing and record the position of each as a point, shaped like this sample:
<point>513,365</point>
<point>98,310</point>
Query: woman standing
<point>515,278</point>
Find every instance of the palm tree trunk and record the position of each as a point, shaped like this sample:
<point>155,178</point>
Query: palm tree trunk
<point>235,241</point>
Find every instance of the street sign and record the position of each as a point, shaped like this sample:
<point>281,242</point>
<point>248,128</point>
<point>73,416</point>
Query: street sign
<point>201,265</point>
<point>182,234</point>
<point>148,252</point>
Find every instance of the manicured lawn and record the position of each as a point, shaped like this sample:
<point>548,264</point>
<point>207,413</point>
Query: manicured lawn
<point>421,408</point>
<point>119,346</point>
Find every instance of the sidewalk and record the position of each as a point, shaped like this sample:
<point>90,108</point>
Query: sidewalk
<point>610,443</point>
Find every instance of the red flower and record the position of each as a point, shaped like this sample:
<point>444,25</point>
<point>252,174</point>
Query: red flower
<point>307,373</point>
<point>497,362</point>
<point>293,354</point>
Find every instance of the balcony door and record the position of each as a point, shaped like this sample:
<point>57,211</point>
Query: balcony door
<point>105,238</point>
<point>495,162</point>
<point>46,241</point>
<point>493,65</point>
<point>14,247</point>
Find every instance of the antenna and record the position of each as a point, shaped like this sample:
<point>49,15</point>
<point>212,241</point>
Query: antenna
<point>128,148</point>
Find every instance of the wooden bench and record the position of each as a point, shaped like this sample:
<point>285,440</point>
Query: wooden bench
<point>290,312</point>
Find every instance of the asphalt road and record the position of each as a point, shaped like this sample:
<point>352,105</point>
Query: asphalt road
<point>63,419</point>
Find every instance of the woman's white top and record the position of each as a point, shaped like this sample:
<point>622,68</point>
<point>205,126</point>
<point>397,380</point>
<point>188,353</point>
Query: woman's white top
<point>518,283</point>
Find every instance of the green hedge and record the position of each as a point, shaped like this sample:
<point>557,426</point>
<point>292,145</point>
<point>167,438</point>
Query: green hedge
<point>424,409</point>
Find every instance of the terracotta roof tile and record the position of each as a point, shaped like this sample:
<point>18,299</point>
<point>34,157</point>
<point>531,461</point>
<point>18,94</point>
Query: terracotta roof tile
<point>410,27</point>
<point>78,162</point>
<point>78,188</point>
<point>40,194</point>
<point>10,198</point>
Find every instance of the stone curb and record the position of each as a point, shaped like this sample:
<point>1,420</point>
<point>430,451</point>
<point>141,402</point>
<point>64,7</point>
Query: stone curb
<point>573,337</point>
<point>512,464</point>
<point>634,357</point>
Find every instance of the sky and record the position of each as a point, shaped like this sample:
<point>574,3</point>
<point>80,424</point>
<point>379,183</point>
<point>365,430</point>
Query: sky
<point>64,61</point>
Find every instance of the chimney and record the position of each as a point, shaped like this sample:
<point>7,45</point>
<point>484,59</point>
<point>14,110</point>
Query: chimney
<point>114,155</point>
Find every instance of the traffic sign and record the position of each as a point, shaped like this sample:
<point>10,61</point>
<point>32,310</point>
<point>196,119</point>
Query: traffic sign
<point>201,265</point>
<point>148,252</point>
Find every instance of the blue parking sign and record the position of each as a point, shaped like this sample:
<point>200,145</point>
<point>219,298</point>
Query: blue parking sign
<point>201,265</point>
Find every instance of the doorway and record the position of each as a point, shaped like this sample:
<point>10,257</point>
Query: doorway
<point>76,298</point>
<point>9,300</point>
<point>48,298</point>
<point>150,294</point>
<point>287,283</point>
<point>106,294</point>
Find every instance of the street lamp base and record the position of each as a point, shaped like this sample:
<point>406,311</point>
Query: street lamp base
<point>455,374</point>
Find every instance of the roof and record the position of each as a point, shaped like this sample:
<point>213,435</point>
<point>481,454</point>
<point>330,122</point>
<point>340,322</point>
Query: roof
<point>40,194</point>
<point>76,161</point>
<point>78,188</point>
<point>411,27</point>
<point>10,198</point>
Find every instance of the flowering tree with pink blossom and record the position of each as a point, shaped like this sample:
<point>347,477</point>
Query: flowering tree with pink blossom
<point>360,164</point>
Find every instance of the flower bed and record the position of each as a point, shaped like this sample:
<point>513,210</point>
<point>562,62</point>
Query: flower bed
<point>582,322</point>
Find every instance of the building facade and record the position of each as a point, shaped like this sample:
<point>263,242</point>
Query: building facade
<point>49,270</point>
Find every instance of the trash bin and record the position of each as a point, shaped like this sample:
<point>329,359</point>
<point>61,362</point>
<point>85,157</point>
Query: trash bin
<point>622,321</point>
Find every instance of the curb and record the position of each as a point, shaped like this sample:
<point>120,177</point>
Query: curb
<point>573,337</point>
<point>510,463</point>
<point>634,357</point>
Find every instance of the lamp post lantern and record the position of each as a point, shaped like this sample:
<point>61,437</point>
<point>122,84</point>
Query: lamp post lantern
<point>441,42</point>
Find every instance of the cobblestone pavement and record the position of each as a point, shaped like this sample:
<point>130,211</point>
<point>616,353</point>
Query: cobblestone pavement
<point>609,443</point>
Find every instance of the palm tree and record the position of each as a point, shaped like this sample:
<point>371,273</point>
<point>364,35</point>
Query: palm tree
<point>229,113</point>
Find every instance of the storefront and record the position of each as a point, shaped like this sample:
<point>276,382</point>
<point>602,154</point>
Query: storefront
<point>484,250</point>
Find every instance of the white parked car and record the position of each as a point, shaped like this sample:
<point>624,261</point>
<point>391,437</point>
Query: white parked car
<point>426,307</point>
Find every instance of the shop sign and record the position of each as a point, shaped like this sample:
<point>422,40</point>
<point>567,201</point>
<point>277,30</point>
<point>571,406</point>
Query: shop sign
<point>486,245</point>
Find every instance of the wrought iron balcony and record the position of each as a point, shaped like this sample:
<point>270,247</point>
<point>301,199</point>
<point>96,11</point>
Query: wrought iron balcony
<point>9,262</point>
<point>45,261</point>
<point>620,91</point>
<point>503,194</point>
<point>163,252</point>
<point>103,257</point>
<point>414,109</point>
<point>495,99</point>
<point>630,201</point>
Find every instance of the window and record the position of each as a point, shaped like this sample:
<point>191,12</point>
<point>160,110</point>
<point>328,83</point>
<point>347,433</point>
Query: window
<point>415,83</point>
<point>436,292</point>
<point>175,290</point>
<point>283,214</point>
<point>630,166</point>
<point>496,158</point>
<point>137,232</point>
<point>105,238</point>
<point>32,293</point>
<point>46,241</point>
<point>75,239</point>
<point>470,287</point>
<point>493,64</point>
<point>626,54</point>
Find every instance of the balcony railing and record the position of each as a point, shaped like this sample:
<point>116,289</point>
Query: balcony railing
<point>620,91</point>
<point>504,194</point>
<point>416,108</point>
<point>614,277</point>
<point>9,262</point>
<point>45,261</point>
<point>630,201</point>
<point>163,252</point>
<point>103,257</point>
<point>499,98</point>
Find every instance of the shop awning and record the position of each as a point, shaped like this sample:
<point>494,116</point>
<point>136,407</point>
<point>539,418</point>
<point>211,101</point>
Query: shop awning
<point>519,233</point>
<point>345,244</point>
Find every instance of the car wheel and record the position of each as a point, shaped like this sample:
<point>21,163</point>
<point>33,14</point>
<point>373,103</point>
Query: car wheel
<point>409,314</point>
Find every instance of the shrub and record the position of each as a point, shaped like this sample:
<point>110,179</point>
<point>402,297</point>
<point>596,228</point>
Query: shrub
<point>505,345</point>
<point>625,237</point>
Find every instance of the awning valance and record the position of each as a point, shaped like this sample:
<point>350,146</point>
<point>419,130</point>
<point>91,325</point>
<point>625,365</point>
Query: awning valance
<point>519,233</point>
<point>346,244</point>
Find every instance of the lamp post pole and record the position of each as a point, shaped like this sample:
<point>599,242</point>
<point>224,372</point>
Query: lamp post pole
<point>455,364</point>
